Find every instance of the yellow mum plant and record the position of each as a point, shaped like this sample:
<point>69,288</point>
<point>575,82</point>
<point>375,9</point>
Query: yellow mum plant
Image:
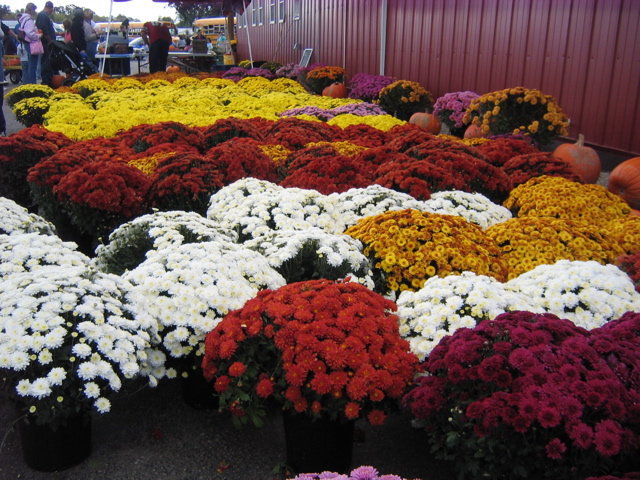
<point>625,231</point>
<point>532,241</point>
<point>404,98</point>
<point>409,247</point>
<point>343,148</point>
<point>518,110</point>
<point>557,197</point>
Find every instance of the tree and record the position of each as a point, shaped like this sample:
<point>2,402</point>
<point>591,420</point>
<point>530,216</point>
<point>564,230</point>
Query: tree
<point>4,10</point>
<point>188,12</point>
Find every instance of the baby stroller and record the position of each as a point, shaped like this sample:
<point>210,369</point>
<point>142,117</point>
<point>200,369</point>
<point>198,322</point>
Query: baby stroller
<point>64,57</point>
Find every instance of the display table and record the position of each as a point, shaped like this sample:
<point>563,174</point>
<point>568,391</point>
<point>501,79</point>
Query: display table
<point>192,62</point>
<point>120,63</point>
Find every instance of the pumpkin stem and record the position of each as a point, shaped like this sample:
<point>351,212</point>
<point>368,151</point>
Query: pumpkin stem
<point>580,142</point>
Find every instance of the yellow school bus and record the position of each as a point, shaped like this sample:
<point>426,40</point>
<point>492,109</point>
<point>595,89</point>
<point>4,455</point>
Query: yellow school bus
<point>211,28</point>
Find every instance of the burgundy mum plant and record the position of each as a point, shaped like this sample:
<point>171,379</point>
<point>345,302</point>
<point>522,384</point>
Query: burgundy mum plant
<point>530,395</point>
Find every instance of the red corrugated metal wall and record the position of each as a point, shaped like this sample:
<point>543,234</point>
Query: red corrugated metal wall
<point>586,53</point>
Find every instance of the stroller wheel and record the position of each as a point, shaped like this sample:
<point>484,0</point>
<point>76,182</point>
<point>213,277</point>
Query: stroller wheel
<point>15,77</point>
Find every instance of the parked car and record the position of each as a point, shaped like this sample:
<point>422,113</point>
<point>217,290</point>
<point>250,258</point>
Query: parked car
<point>138,46</point>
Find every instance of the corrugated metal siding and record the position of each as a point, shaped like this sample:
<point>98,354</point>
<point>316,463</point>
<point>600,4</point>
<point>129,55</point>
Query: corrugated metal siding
<point>586,53</point>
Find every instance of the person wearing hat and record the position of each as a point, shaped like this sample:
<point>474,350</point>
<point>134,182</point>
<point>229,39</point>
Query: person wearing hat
<point>77,31</point>
<point>44,23</point>
<point>31,35</point>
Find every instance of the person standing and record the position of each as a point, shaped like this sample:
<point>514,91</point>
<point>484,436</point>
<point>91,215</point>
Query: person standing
<point>31,35</point>
<point>77,31</point>
<point>158,37</point>
<point>90,34</point>
<point>45,25</point>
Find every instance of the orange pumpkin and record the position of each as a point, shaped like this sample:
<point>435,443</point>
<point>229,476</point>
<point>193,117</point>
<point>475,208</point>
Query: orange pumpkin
<point>635,213</point>
<point>624,180</point>
<point>173,69</point>
<point>427,122</point>
<point>584,160</point>
<point>473,131</point>
<point>58,81</point>
<point>335,90</point>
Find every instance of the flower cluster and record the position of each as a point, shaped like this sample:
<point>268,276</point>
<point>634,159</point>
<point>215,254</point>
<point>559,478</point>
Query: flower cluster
<point>473,207</point>
<point>526,386</point>
<point>404,98</point>
<point>129,244</point>
<point>630,264</point>
<point>254,207</point>
<point>522,168</point>
<point>625,231</point>
<point>188,288</point>
<point>527,242</point>
<point>325,349</point>
<point>329,174</point>
<point>23,92</point>
<point>360,473</point>
<point>69,338</point>
<point>498,150</point>
<point>558,197</point>
<point>587,293</point>
<point>321,77</point>
<point>367,87</point>
<point>443,305</point>
<point>17,220</point>
<point>410,246</point>
<point>518,110</point>
<point>451,107</point>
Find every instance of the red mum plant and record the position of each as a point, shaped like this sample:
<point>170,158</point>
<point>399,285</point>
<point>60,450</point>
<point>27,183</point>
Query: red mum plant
<point>401,138</point>
<point>630,264</point>
<point>439,143</point>
<point>17,155</point>
<point>417,178</point>
<point>103,149</point>
<point>227,128</point>
<point>319,348</point>
<point>39,132</point>
<point>240,158</point>
<point>142,137</point>
<point>295,133</point>
<point>331,174</point>
<point>100,196</point>
<point>533,396</point>
<point>364,135</point>
<point>477,175</point>
<point>184,181</point>
<point>376,156</point>
<point>500,149</point>
<point>525,167</point>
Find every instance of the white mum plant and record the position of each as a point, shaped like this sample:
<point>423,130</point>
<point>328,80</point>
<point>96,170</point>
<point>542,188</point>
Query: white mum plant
<point>445,304</point>
<point>129,243</point>
<point>309,254</point>
<point>255,207</point>
<point>28,252</point>
<point>473,207</point>
<point>69,338</point>
<point>188,289</point>
<point>357,203</point>
<point>15,219</point>
<point>587,293</point>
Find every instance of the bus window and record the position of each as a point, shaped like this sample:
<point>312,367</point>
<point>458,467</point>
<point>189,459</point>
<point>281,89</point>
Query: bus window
<point>211,27</point>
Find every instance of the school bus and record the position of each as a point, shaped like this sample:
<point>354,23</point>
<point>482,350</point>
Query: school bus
<point>211,28</point>
<point>134,27</point>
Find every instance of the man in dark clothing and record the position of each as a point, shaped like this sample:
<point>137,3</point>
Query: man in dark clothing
<point>158,37</point>
<point>44,23</point>
<point>77,31</point>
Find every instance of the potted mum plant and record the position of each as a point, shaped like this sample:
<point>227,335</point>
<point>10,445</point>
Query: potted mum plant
<point>325,352</point>
<point>533,396</point>
<point>69,339</point>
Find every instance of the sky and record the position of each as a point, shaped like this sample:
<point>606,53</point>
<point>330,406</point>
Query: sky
<point>141,9</point>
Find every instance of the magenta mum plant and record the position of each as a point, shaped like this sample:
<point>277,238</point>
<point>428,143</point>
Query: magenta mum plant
<point>530,395</point>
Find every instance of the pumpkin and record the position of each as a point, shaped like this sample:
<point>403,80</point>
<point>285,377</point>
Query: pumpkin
<point>584,160</point>
<point>58,81</point>
<point>173,69</point>
<point>427,122</point>
<point>634,213</point>
<point>473,131</point>
<point>624,180</point>
<point>335,90</point>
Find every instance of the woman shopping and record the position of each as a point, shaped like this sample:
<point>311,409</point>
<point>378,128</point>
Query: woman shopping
<point>31,42</point>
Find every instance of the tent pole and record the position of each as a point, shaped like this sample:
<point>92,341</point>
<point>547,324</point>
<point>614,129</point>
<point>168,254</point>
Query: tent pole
<point>106,45</point>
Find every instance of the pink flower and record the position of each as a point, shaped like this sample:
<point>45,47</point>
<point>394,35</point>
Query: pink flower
<point>555,448</point>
